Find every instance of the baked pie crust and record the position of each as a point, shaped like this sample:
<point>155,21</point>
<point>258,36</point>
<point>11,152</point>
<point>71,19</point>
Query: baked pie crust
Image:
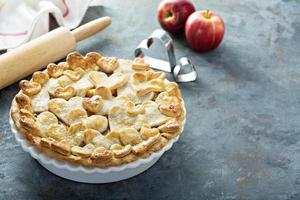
<point>98,111</point>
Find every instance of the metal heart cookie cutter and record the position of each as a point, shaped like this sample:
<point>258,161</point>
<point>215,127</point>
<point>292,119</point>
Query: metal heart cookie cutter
<point>167,66</point>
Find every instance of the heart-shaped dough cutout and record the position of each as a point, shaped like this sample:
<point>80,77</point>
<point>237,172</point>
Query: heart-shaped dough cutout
<point>107,64</point>
<point>30,88</point>
<point>153,115</point>
<point>75,60</point>
<point>119,119</point>
<point>128,91</point>
<point>62,108</point>
<point>169,105</point>
<point>146,82</point>
<point>112,82</point>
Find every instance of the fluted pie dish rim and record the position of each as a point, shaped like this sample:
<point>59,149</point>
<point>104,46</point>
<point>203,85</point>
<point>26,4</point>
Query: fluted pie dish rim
<point>60,164</point>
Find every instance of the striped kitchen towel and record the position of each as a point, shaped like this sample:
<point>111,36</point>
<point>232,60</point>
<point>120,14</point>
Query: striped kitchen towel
<point>23,20</point>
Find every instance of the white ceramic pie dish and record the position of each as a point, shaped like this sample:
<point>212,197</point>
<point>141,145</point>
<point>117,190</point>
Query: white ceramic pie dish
<point>91,175</point>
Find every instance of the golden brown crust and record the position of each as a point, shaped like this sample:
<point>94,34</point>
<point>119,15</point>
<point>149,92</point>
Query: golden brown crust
<point>29,125</point>
<point>172,126</point>
<point>46,142</point>
<point>29,87</point>
<point>93,104</point>
<point>75,74</point>
<point>76,60</point>
<point>23,101</point>
<point>108,64</point>
<point>104,92</point>
<point>169,105</point>
<point>146,132</point>
<point>40,77</point>
<point>91,59</point>
<point>27,114</point>
<point>65,92</point>
<point>76,127</point>
<point>75,140</point>
<point>101,154</point>
<point>76,115</point>
<point>100,79</point>
<point>87,162</point>
<point>84,152</point>
<point>120,153</point>
<point>134,110</point>
<point>145,145</point>
<point>61,147</point>
<point>139,64</point>
<point>56,71</point>
<point>130,136</point>
<point>89,134</point>
<point>149,81</point>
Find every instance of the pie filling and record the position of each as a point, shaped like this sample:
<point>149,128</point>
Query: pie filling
<point>98,111</point>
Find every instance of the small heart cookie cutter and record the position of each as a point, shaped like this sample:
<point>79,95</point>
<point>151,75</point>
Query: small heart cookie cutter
<point>167,66</point>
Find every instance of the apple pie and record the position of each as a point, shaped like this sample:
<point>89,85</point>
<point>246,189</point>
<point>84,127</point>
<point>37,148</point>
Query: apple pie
<point>98,111</point>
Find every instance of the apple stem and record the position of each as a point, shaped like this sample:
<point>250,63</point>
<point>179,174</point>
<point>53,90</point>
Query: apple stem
<point>206,14</point>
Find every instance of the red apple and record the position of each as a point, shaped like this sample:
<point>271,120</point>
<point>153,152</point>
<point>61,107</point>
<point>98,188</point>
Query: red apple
<point>172,14</point>
<point>204,30</point>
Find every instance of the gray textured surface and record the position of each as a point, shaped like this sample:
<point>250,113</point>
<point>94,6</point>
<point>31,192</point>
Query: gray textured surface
<point>242,136</point>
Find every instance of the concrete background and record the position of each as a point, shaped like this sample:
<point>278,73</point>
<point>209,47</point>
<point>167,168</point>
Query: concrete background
<point>242,136</point>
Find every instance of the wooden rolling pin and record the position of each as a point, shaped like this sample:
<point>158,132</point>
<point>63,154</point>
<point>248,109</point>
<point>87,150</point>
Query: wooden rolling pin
<point>51,47</point>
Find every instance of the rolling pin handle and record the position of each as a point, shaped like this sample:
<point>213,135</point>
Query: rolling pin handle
<point>91,28</point>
